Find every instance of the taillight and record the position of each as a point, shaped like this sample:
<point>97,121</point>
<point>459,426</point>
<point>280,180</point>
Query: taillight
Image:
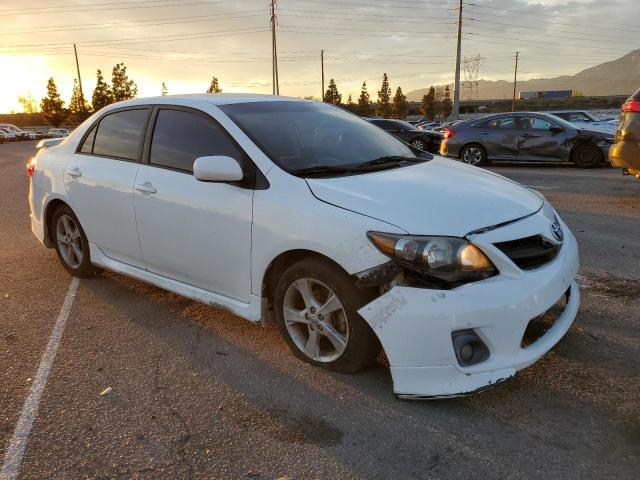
<point>448,133</point>
<point>631,106</point>
<point>31,168</point>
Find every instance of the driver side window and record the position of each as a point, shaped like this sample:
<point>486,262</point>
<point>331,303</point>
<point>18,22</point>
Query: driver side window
<point>535,123</point>
<point>179,137</point>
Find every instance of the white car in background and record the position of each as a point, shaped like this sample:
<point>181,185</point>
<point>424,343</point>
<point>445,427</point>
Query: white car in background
<point>296,211</point>
<point>584,120</point>
<point>7,135</point>
<point>17,132</point>
<point>58,132</point>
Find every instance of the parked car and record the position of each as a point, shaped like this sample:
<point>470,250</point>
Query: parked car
<point>526,136</point>
<point>57,132</point>
<point>301,212</point>
<point>625,151</point>
<point>18,133</point>
<point>584,120</point>
<point>427,141</point>
<point>429,125</point>
<point>8,135</point>
<point>441,128</point>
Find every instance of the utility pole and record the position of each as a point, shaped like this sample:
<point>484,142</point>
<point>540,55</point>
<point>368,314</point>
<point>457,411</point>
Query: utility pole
<point>455,111</point>
<point>515,83</point>
<point>322,68</point>
<point>274,49</point>
<point>75,51</point>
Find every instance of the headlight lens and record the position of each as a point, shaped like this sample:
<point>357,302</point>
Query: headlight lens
<point>449,259</point>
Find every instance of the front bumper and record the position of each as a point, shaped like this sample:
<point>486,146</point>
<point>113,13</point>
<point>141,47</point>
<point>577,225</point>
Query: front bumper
<point>415,325</point>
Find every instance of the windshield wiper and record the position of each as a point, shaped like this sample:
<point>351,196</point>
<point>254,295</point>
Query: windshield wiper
<point>321,170</point>
<point>389,160</point>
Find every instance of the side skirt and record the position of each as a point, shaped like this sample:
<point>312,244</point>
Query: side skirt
<point>251,311</point>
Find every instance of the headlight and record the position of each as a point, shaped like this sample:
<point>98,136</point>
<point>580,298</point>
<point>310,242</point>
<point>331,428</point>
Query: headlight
<point>449,259</point>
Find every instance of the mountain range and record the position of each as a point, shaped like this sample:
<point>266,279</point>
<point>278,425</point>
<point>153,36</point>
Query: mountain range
<point>618,77</point>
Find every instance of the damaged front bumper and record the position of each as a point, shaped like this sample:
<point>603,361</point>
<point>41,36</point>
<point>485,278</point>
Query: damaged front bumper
<point>415,325</point>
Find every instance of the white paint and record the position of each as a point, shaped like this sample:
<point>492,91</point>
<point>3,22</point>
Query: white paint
<point>213,242</point>
<point>18,444</point>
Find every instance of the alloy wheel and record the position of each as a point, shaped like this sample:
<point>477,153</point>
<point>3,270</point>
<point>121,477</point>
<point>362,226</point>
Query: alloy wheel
<point>418,144</point>
<point>316,320</point>
<point>69,241</point>
<point>472,156</point>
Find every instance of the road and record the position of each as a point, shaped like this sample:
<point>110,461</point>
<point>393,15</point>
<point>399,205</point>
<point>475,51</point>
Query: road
<point>200,393</point>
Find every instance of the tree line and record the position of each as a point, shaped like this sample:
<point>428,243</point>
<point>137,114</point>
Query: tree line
<point>55,111</point>
<point>435,103</point>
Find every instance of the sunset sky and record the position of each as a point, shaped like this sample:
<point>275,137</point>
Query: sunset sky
<point>186,42</point>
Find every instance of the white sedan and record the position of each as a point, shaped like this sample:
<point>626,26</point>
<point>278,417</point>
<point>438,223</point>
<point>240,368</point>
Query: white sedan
<point>299,212</point>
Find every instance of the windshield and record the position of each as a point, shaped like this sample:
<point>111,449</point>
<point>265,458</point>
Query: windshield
<point>303,135</point>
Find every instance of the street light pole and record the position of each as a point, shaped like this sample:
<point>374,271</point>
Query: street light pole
<point>455,111</point>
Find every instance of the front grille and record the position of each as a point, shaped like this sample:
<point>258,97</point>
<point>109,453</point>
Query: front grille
<point>540,325</point>
<point>529,252</point>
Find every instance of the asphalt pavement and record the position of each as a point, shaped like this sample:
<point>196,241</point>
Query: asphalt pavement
<point>199,393</point>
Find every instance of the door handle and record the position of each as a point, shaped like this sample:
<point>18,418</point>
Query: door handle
<point>74,172</point>
<point>146,187</point>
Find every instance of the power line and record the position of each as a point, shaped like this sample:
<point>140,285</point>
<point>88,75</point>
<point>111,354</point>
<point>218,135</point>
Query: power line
<point>74,9</point>
<point>545,15</point>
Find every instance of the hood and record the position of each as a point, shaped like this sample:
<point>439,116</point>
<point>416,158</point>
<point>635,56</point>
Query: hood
<point>606,132</point>
<point>438,197</point>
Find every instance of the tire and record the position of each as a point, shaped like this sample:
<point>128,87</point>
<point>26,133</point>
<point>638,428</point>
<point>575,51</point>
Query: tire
<point>473,154</point>
<point>344,341</point>
<point>71,243</point>
<point>587,155</point>
<point>419,144</point>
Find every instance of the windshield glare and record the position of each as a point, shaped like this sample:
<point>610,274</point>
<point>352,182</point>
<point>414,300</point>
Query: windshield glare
<point>301,135</point>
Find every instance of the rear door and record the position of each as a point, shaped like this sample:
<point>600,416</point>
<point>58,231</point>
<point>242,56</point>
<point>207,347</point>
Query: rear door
<point>537,140</point>
<point>198,233</point>
<point>99,180</point>
<point>499,137</point>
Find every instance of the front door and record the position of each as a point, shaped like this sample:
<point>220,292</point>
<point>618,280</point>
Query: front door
<point>99,180</point>
<point>198,233</point>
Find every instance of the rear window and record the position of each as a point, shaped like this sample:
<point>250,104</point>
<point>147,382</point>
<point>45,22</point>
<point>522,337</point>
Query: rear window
<point>635,96</point>
<point>120,134</point>
<point>506,123</point>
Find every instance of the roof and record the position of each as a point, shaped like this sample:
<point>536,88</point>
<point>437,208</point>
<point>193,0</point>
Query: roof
<point>212,98</point>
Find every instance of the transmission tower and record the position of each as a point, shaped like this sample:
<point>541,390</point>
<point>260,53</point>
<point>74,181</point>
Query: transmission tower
<point>470,68</point>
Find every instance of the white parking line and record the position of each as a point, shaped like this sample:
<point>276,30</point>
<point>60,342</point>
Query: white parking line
<point>18,444</point>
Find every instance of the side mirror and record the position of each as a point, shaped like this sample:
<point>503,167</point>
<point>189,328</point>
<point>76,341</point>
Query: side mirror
<point>217,168</point>
<point>555,129</point>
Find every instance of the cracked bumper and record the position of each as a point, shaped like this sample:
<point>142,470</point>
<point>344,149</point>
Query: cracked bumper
<point>414,325</point>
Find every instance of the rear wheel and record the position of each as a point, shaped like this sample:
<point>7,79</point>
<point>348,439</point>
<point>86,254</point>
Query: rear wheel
<point>587,155</point>
<point>316,311</point>
<point>71,243</point>
<point>473,155</point>
<point>418,143</point>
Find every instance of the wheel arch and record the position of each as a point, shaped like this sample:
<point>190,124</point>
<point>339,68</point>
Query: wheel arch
<point>284,260</point>
<point>49,209</point>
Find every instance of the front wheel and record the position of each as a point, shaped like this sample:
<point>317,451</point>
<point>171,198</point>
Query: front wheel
<point>587,156</point>
<point>473,155</point>
<point>316,311</point>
